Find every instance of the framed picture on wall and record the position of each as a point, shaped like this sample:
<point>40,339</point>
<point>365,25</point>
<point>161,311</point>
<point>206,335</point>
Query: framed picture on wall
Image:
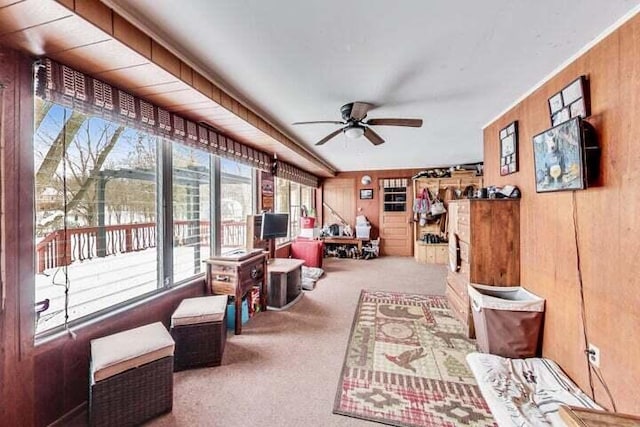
<point>366,194</point>
<point>509,149</point>
<point>570,102</point>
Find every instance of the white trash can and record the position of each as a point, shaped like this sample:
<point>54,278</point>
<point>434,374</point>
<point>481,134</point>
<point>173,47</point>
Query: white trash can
<point>508,320</point>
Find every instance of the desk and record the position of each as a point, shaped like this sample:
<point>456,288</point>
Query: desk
<point>236,278</point>
<point>285,282</point>
<point>340,240</point>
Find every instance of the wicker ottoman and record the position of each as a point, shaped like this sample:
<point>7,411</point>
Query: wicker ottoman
<point>198,327</point>
<point>131,378</point>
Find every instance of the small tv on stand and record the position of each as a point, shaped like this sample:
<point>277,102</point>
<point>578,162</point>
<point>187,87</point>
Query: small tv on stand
<point>273,226</point>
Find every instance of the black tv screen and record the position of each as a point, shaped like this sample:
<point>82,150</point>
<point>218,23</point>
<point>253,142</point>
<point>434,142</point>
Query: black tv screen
<point>274,225</point>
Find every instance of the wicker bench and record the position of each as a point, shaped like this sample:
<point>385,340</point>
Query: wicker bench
<point>198,327</point>
<point>131,376</point>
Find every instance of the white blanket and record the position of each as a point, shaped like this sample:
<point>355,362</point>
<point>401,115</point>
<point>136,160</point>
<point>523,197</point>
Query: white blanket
<point>525,392</point>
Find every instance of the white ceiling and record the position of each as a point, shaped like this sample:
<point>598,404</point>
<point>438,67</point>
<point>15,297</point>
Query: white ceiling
<point>455,64</point>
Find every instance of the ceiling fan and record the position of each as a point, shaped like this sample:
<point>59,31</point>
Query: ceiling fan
<point>353,115</point>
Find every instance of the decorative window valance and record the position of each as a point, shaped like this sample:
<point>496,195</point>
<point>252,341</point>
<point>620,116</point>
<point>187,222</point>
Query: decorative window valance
<point>64,85</point>
<point>395,183</point>
<point>293,173</point>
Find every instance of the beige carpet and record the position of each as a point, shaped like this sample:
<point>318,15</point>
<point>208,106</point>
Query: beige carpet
<point>284,368</point>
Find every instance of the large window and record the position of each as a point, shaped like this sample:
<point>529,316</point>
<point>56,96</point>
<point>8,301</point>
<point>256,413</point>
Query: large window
<point>191,211</point>
<point>236,202</point>
<point>290,198</point>
<point>122,214</point>
<point>96,213</point>
<point>101,218</point>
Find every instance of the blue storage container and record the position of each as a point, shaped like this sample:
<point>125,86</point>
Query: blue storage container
<point>231,313</point>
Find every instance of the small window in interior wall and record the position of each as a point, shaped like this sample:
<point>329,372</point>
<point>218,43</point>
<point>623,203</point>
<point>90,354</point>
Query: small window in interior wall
<point>394,195</point>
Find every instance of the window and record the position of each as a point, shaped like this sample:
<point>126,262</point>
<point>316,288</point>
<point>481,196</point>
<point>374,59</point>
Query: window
<point>294,209</point>
<point>96,213</point>
<point>97,234</point>
<point>122,211</point>
<point>290,197</point>
<point>191,211</point>
<point>236,202</point>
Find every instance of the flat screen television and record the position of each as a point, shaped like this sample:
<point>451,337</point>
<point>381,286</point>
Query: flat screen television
<point>566,157</point>
<point>274,225</point>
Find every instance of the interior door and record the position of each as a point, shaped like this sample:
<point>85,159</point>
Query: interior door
<point>396,230</point>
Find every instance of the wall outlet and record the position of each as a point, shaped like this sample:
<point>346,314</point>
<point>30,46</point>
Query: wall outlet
<point>594,355</point>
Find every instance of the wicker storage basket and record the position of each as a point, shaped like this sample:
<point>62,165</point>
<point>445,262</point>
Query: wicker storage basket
<point>198,327</point>
<point>199,345</point>
<point>133,396</point>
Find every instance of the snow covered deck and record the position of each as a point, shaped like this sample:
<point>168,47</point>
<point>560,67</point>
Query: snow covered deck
<point>99,283</point>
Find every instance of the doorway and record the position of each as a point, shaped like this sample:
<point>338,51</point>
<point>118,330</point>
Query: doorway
<point>395,217</point>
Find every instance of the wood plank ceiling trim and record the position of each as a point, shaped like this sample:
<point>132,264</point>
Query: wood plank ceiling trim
<point>91,37</point>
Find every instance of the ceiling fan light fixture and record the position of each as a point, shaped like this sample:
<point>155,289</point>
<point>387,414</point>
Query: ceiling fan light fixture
<point>353,132</point>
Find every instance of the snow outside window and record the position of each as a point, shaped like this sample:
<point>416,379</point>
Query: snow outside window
<point>95,213</point>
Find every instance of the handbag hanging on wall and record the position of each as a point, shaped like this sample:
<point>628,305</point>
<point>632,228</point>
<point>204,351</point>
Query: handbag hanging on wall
<point>437,206</point>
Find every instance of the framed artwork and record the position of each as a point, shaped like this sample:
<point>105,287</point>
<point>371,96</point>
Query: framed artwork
<point>509,149</point>
<point>558,154</point>
<point>366,193</point>
<point>570,102</point>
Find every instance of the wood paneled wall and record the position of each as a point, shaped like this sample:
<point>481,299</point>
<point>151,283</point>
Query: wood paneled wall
<point>16,254</point>
<point>369,208</point>
<point>607,222</point>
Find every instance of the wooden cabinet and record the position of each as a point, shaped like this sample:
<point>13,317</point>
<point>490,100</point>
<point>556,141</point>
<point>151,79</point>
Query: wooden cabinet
<point>430,253</point>
<point>236,277</point>
<point>484,248</point>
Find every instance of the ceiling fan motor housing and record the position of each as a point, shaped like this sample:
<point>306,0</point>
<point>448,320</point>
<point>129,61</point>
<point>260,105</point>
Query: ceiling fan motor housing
<point>345,110</point>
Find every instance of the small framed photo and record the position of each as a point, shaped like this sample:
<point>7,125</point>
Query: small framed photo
<point>509,149</point>
<point>570,102</point>
<point>366,194</point>
<point>573,92</point>
<point>578,109</point>
<point>555,103</point>
<point>561,116</point>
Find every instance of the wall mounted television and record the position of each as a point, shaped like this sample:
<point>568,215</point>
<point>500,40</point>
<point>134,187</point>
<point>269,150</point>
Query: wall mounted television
<point>566,157</point>
<point>274,225</point>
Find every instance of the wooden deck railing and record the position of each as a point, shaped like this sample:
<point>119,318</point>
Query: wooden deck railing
<point>83,243</point>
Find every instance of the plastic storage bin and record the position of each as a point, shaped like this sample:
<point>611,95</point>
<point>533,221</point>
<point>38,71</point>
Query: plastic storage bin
<point>508,320</point>
<point>231,313</point>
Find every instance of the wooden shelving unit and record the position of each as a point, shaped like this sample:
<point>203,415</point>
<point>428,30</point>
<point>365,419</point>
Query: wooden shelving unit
<point>437,253</point>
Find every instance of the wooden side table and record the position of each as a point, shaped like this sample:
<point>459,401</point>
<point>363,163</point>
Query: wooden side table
<point>228,276</point>
<point>285,282</point>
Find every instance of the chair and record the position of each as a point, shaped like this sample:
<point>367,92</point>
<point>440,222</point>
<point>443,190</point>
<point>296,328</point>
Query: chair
<point>311,251</point>
<point>131,376</point>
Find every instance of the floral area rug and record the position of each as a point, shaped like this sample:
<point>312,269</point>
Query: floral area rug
<point>405,365</point>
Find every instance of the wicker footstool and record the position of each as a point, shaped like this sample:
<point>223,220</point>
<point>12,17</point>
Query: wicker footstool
<point>131,376</point>
<point>199,329</point>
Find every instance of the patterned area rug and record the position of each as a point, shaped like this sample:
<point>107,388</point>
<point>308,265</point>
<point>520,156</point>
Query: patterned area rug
<point>405,365</point>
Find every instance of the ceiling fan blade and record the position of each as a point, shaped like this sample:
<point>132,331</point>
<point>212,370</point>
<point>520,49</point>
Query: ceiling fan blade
<point>328,137</point>
<point>414,123</point>
<point>372,136</point>
<point>333,122</point>
<point>359,110</point>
